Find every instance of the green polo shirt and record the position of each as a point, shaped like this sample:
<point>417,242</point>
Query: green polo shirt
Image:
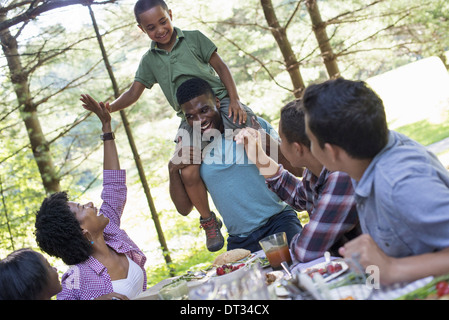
<point>188,58</point>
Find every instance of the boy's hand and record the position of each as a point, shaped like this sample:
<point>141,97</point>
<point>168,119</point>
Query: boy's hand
<point>236,110</point>
<point>100,109</point>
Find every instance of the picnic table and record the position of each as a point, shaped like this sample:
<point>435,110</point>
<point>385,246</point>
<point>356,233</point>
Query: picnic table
<point>208,287</point>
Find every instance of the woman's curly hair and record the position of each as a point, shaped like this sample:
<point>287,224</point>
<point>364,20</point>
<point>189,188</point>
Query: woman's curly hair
<point>59,233</point>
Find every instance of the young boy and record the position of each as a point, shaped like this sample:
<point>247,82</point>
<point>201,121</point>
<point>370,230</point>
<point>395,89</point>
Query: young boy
<point>174,57</point>
<point>402,190</point>
<point>327,196</point>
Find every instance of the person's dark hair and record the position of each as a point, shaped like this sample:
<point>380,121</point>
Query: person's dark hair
<point>58,233</point>
<point>144,5</point>
<point>348,114</point>
<point>23,275</point>
<point>292,123</point>
<point>193,88</point>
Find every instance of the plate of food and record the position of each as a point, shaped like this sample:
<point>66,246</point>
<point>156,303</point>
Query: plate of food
<point>230,265</point>
<point>328,270</point>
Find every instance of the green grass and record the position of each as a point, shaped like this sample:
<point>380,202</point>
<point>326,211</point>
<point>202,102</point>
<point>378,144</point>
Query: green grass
<point>196,259</point>
<point>425,132</point>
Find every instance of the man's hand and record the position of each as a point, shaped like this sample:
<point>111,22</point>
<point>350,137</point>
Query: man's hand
<point>368,253</point>
<point>100,109</point>
<point>252,140</point>
<point>184,156</point>
<point>255,144</point>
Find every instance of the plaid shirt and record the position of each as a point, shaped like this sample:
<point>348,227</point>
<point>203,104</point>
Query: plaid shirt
<point>90,279</point>
<point>330,202</point>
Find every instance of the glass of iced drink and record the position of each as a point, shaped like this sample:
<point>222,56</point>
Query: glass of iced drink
<point>276,250</point>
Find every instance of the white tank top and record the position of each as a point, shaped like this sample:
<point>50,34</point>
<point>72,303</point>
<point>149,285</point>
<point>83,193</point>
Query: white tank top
<point>133,284</point>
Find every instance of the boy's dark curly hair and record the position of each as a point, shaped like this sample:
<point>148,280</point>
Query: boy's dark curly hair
<point>144,5</point>
<point>293,123</point>
<point>58,233</point>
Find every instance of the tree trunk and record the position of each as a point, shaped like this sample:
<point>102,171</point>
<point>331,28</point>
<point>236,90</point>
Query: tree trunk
<point>28,111</point>
<point>319,28</point>
<point>139,166</point>
<point>280,35</point>
<point>8,221</point>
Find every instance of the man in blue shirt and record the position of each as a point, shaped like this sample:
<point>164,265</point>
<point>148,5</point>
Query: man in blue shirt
<point>402,190</point>
<point>250,211</point>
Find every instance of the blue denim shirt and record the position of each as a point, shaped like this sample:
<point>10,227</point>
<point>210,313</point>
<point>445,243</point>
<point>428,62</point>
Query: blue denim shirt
<point>403,199</point>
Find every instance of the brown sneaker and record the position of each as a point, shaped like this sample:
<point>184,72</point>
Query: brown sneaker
<point>214,238</point>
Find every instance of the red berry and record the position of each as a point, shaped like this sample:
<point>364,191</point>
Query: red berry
<point>441,284</point>
<point>442,288</point>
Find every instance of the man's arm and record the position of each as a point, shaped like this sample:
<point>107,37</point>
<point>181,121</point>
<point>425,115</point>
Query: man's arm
<point>181,159</point>
<point>260,154</point>
<point>280,156</point>
<point>332,217</point>
<point>289,188</point>
<point>178,192</point>
<point>393,270</point>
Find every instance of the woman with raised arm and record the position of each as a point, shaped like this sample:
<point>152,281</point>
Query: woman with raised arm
<point>105,263</point>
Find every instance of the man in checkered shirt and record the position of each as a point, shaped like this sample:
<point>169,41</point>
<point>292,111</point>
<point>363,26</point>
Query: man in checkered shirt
<point>328,197</point>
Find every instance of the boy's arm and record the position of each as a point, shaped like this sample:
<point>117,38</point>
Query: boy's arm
<point>226,77</point>
<point>128,97</point>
